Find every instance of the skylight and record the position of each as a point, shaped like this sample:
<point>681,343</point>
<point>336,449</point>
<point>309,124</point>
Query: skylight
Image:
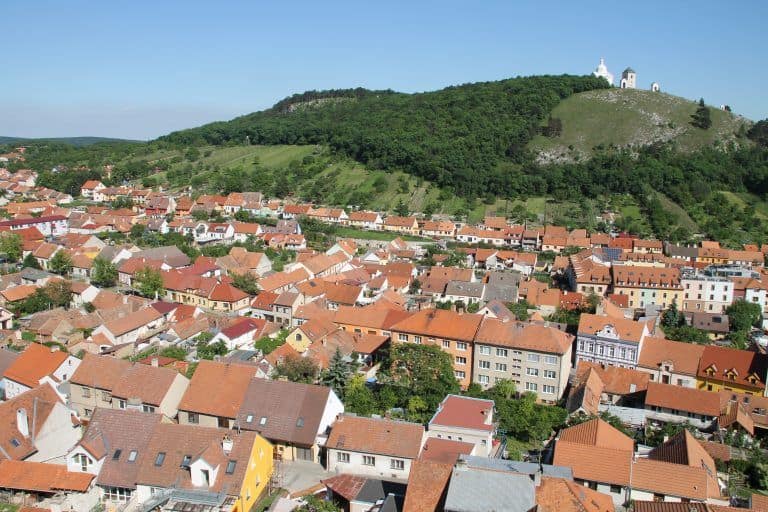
<point>231,466</point>
<point>187,460</point>
<point>263,421</point>
<point>300,422</point>
<point>132,456</point>
<point>15,442</point>
<point>160,459</point>
<point>117,454</point>
<point>249,418</point>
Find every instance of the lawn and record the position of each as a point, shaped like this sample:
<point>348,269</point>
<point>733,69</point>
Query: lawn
<point>7,507</point>
<point>384,236</point>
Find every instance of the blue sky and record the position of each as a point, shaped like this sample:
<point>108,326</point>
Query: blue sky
<point>143,68</point>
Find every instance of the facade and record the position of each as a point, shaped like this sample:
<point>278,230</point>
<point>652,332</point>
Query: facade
<point>602,72</point>
<point>628,79</point>
<point>38,364</point>
<point>706,294</point>
<point>609,340</point>
<point>648,286</point>
<point>535,357</point>
<point>466,420</point>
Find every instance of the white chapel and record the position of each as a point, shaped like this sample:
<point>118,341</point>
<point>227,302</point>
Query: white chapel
<point>602,71</point>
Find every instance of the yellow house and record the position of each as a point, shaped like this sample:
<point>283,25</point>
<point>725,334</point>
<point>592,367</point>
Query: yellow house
<point>405,225</point>
<point>722,368</point>
<point>303,335</point>
<point>257,474</point>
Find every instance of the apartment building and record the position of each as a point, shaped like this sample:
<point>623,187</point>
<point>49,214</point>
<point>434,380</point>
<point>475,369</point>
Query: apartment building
<point>703,293</point>
<point>648,286</point>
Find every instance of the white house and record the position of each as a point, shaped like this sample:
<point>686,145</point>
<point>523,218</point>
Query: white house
<point>38,364</point>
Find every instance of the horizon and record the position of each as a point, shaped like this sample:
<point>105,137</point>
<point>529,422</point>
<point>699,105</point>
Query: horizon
<point>118,73</point>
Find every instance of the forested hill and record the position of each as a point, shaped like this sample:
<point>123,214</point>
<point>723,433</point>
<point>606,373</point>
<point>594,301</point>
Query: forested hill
<point>455,137</point>
<point>72,141</point>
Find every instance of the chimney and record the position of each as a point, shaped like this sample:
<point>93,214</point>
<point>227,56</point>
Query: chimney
<point>226,444</point>
<point>22,422</point>
<point>155,362</point>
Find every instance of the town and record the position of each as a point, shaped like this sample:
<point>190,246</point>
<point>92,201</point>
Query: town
<point>168,351</point>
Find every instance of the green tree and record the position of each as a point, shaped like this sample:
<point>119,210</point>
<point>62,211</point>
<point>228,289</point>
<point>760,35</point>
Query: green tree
<point>298,369</point>
<point>137,231</point>
<point>401,209</point>
<point>267,345</point>
<point>59,293</point>
<point>702,117</point>
<point>245,282</point>
<point>61,263</point>
<point>672,318</point>
<point>337,374</point>
<point>103,273</point>
<point>358,397</point>
<point>206,350</point>
<point>174,352</point>
<point>422,370</point>
<point>520,309</point>
<point>743,315</point>
<point>10,245</point>
<point>31,262</point>
<point>315,504</point>
<point>148,282</point>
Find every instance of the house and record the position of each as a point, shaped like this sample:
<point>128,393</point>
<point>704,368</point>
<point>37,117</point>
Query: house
<point>427,486</point>
<point>670,362</point>
<point>453,332</point>
<point>89,187</point>
<point>38,364</point>
<point>438,229</point>
<point>537,358</point>
<point>7,357</point>
<point>467,420</point>
<point>369,320</point>
<point>37,481</point>
<point>312,331</point>
<point>648,285</point>
<point>240,260</point>
<point>37,426</point>
<point>732,369</point>
<point>373,446</point>
<point>357,493</point>
<point>365,220</point>
<point>244,331</point>
<point>667,403</point>
<point>294,417</point>
<point>596,387</point>
<point>403,225</point>
<point>215,394</point>
<point>108,382</point>
<point>478,488</point>
<point>110,449</point>
<point>131,328</point>
<point>610,340</point>
<point>48,225</point>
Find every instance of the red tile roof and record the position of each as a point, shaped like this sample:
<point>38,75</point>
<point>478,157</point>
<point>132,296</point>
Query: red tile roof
<point>41,477</point>
<point>376,436</point>
<point>464,412</point>
<point>34,363</point>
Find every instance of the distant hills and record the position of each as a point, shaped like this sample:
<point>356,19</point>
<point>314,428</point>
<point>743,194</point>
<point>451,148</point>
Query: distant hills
<point>73,141</point>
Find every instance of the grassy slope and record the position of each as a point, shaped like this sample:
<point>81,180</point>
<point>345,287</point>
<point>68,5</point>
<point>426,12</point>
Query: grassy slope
<point>74,141</point>
<point>625,117</point>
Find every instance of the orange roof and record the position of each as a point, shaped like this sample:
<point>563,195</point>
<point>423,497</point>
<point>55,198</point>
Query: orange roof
<point>427,483</point>
<point>684,399</point>
<point>597,433</point>
<point>19,292</point>
<point>596,464</point>
<point>217,389</point>
<point>464,412</point>
<point>445,451</point>
<point>741,367</point>
<point>671,479</point>
<point>376,436</point>
<point>34,363</point>
<point>526,336</point>
<point>561,495</point>
<point>616,380</point>
<point>441,323</point>
<point>41,477</point>
<point>628,330</point>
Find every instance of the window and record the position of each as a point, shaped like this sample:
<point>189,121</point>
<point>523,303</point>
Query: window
<point>446,344</point>
<point>485,351</point>
<point>417,340</point>
<point>186,461</point>
<point>86,392</point>
<point>461,360</point>
<point>485,365</point>
<point>116,455</point>
<point>160,459</point>
<point>117,494</point>
<point>402,337</point>
<point>193,418</point>
<point>397,464</point>
<point>121,404</point>
<point>342,457</point>
<point>148,408</point>
<point>549,374</point>
<point>550,390</point>
<point>531,386</point>
<point>83,460</point>
<point>459,374</point>
<point>501,367</point>
<point>501,352</point>
<point>483,379</point>
<point>231,467</point>
<point>249,418</point>
<point>533,372</point>
<point>533,358</point>
<point>132,456</point>
<point>263,421</point>
<point>369,460</point>
<point>297,337</point>
<point>615,489</point>
<point>300,422</point>
<point>550,359</point>
<point>460,345</point>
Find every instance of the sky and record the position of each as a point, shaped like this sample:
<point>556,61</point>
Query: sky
<point>142,69</point>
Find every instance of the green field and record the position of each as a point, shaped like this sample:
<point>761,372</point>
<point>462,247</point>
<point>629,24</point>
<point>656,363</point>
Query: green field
<point>630,117</point>
<point>384,236</point>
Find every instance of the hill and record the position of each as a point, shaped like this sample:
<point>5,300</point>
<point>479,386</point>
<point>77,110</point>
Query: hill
<point>454,137</point>
<point>72,141</point>
<point>630,118</point>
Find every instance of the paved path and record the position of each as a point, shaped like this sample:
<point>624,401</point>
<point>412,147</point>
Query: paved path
<point>299,475</point>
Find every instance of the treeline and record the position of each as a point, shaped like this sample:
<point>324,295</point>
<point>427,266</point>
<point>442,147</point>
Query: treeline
<point>454,137</point>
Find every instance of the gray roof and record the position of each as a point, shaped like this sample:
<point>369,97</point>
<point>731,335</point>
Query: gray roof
<point>508,278</point>
<point>498,308</point>
<point>680,251</point>
<point>169,254</point>
<point>464,289</point>
<point>500,292</point>
<point>33,274</point>
<point>7,357</point>
<point>516,466</point>
<point>374,490</point>
<point>484,490</point>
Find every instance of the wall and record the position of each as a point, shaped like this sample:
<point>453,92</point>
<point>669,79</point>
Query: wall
<point>169,406</point>
<point>481,439</point>
<point>355,465</point>
<point>56,437</point>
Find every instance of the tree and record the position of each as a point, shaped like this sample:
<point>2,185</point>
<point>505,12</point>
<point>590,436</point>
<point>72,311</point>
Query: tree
<point>31,262</point>
<point>267,345</point>
<point>174,352</point>
<point>529,421</point>
<point>401,209</point>
<point>10,245</point>
<point>337,374</point>
<point>298,369</point>
<point>245,282</point>
<point>103,273</point>
<point>672,318</point>
<point>743,315</point>
<point>137,231</point>
<point>59,293</point>
<point>422,370</point>
<point>358,397</point>
<point>520,309</point>
<point>701,118</point>
<point>207,350</point>
<point>414,287</point>
<point>148,282</point>
<point>61,263</point>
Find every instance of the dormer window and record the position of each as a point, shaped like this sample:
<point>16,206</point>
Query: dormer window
<point>186,461</point>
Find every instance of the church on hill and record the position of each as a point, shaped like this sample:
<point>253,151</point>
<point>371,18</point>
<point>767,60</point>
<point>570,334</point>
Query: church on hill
<point>628,77</point>
<point>602,71</point>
